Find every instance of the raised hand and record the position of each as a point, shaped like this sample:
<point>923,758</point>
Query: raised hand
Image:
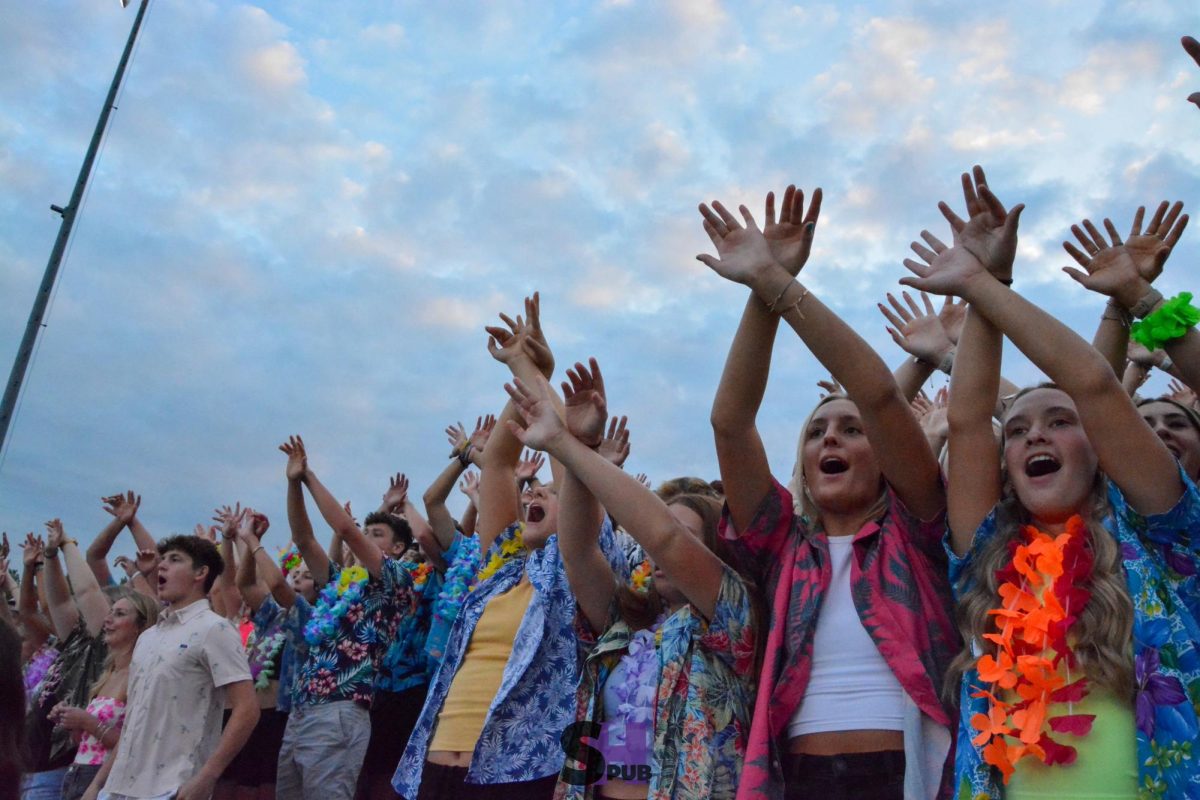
<point>615,446</point>
<point>508,346</point>
<point>4,548</point>
<point>528,466</point>
<point>146,561</point>
<point>1138,354</point>
<point>456,435</point>
<point>55,535</point>
<point>791,237</point>
<point>350,513</point>
<point>32,550</point>
<point>123,506</point>
<point>483,431</point>
<point>469,485</point>
<point>921,405</point>
<point>744,253</point>
<point>942,270</point>
<point>1193,49</point>
<point>297,463</point>
<point>125,563</point>
<point>1181,394</point>
<point>397,492</point>
<point>643,479</point>
<point>228,519</point>
<point>830,386</point>
<point>536,344</point>
<point>953,314</point>
<point>585,404</point>
<point>990,232</point>
<point>543,424</point>
<point>206,532</point>
<point>918,332</point>
<point>1122,270</point>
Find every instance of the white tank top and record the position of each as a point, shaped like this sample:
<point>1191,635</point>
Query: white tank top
<point>851,687</point>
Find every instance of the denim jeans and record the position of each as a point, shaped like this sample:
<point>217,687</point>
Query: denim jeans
<point>43,785</point>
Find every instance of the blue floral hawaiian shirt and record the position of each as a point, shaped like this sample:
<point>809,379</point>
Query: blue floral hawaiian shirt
<point>1161,556</point>
<point>343,666</point>
<point>405,666</point>
<point>521,738</point>
<point>269,620</point>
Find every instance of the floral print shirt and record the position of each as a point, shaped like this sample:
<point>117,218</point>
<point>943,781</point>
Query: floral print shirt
<point>1161,557</point>
<point>69,679</point>
<point>111,712</point>
<point>898,580</point>
<point>703,705</point>
<point>343,666</point>
<point>405,665</point>
<point>521,738</point>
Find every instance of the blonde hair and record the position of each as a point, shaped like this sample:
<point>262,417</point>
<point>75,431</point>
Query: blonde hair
<point>1103,631</point>
<point>147,614</point>
<point>804,505</point>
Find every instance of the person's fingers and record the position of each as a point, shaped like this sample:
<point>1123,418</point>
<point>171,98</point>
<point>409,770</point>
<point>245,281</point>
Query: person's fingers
<point>730,221</point>
<point>912,305</point>
<point>890,317</point>
<point>769,212</point>
<point>1080,277</point>
<point>746,215</point>
<point>1157,219</point>
<point>1176,231</point>
<point>924,252</point>
<point>969,195</point>
<point>938,246</point>
<point>900,310</point>
<point>1169,219</point>
<point>1112,232</point>
<point>1136,228</point>
<point>929,311</point>
<point>1094,233</point>
<point>1075,253</point>
<point>1084,239</point>
<point>956,223</point>
<point>991,202</point>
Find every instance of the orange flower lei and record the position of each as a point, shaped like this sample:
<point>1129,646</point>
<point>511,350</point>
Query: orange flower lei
<point>639,579</point>
<point>1031,644</point>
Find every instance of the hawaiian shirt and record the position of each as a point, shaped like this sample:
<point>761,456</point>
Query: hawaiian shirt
<point>1161,556</point>
<point>898,580</point>
<point>342,666</point>
<point>270,650</point>
<point>704,700</point>
<point>404,664</point>
<point>292,621</point>
<point>521,738</point>
<point>68,680</point>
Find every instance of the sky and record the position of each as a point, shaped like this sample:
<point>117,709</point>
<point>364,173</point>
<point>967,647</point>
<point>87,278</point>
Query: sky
<point>304,213</point>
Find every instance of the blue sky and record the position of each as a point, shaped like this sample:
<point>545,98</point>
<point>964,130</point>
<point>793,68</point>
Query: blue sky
<point>305,212</point>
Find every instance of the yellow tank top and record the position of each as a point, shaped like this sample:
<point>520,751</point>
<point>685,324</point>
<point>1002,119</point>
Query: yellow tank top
<point>481,671</point>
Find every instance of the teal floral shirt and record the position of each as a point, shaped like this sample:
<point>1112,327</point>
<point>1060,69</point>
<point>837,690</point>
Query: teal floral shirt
<point>704,701</point>
<point>1161,557</point>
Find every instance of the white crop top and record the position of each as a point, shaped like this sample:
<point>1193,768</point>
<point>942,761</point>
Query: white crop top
<point>851,687</point>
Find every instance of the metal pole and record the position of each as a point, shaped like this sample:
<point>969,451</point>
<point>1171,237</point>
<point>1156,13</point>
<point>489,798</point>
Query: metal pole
<point>25,351</point>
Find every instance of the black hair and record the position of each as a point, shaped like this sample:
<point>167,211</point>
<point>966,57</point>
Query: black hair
<point>13,752</point>
<point>401,532</point>
<point>202,552</point>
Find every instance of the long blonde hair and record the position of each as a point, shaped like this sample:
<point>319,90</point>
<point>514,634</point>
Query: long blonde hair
<point>1103,632</point>
<point>147,614</point>
<point>804,505</point>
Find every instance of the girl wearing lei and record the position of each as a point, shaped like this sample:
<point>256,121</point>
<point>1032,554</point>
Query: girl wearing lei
<point>1076,554</point>
<point>671,675</point>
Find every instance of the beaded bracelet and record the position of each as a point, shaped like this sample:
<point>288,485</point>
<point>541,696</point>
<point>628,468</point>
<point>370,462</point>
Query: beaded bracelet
<point>1172,320</point>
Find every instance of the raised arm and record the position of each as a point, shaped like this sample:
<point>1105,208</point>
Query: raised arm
<point>741,456</point>
<point>919,333</point>
<point>336,517</point>
<point>302,532</point>
<point>685,559</point>
<point>894,433</point>
<point>435,496</point>
<point>469,486</point>
<point>1128,450</point>
<point>257,560</point>
<point>63,611</point>
<point>498,496</point>
<point>97,551</point>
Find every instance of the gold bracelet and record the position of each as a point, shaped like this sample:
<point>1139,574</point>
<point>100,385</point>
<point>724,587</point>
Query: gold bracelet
<point>778,297</point>
<point>796,305</point>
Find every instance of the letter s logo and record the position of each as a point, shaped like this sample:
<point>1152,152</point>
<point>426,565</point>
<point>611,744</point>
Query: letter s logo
<point>579,751</point>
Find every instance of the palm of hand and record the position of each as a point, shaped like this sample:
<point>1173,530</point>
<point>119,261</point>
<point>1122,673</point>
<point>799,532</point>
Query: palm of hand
<point>586,414</point>
<point>788,245</point>
<point>1110,269</point>
<point>926,337</point>
<point>296,465</point>
<point>951,271</point>
<point>543,425</point>
<point>742,251</point>
<point>989,242</point>
<point>1141,250</point>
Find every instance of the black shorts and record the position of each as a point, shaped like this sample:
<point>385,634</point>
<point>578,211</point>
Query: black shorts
<point>256,764</point>
<point>393,717</point>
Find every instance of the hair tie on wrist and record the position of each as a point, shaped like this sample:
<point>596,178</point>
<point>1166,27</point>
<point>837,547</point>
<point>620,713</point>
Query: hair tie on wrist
<point>1150,299</point>
<point>1171,321</point>
<point>1117,313</point>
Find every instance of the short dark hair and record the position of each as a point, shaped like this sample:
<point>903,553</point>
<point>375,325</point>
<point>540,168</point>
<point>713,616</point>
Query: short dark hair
<point>202,552</point>
<point>401,532</point>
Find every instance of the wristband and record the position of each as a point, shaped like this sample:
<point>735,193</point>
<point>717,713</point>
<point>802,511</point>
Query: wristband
<point>1149,300</point>
<point>254,552</point>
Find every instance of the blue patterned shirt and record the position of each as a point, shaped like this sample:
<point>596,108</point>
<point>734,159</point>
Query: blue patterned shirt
<point>536,701</point>
<point>405,666</point>
<point>1161,557</point>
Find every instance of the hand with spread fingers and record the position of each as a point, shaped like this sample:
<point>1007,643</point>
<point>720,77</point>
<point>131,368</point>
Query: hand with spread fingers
<point>123,506</point>
<point>918,331</point>
<point>528,466</point>
<point>297,463</point>
<point>585,404</point>
<point>791,236</point>
<point>536,344</point>
<point>615,446</point>
<point>1125,270</point>
<point>396,494</point>
<point>744,255</point>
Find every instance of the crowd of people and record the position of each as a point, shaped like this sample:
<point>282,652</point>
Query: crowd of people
<point>988,593</point>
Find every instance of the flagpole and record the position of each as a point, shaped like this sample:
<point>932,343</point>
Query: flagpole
<point>13,389</point>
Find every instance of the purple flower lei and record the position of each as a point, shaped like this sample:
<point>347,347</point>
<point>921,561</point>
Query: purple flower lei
<point>638,691</point>
<point>37,667</point>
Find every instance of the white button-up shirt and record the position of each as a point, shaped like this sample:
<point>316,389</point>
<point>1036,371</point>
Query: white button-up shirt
<point>173,718</point>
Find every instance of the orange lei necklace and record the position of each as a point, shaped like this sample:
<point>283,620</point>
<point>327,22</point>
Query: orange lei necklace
<point>1031,645</point>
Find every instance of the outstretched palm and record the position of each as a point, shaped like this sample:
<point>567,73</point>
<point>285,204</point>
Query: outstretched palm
<point>791,237</point>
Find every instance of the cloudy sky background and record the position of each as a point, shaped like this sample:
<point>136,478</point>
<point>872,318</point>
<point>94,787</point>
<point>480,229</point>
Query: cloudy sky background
<point>305,212</point>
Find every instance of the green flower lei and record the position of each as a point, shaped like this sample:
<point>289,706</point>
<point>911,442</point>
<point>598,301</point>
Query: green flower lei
<point>1171,321</point>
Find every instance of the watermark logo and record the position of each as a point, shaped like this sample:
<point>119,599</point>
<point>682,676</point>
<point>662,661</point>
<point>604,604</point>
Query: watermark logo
<point>607,751</point>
